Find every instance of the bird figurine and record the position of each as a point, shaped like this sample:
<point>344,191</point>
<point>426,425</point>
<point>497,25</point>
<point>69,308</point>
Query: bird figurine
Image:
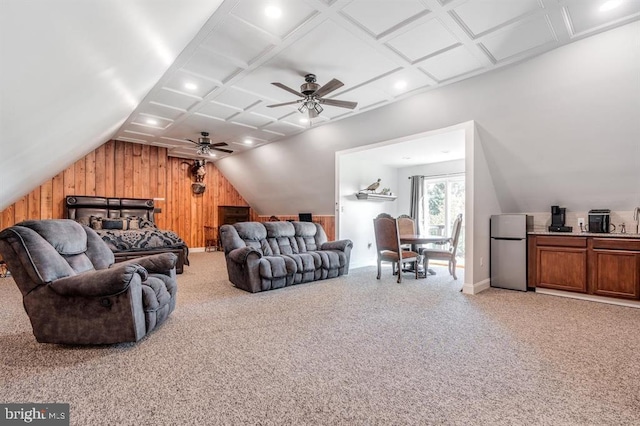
<point>373,186</point>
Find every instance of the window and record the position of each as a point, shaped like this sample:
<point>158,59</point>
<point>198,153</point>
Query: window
<point>443,201</point>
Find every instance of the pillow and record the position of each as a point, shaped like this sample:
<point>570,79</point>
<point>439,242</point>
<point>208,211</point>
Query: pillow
<point>95,222</point>
<point>146,223</point>
<point>133,222</point>
<point>113,223</point>
<point>86,220</point>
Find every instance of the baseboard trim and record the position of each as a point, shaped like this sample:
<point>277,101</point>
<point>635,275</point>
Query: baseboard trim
<point>589,297</point>
<point>475,288</point>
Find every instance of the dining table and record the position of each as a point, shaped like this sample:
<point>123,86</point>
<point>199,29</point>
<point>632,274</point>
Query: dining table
<point>418,239</point>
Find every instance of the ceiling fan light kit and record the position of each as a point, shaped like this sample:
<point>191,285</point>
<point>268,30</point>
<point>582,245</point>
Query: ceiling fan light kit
<point>205,147</point>
<point>312,94</point>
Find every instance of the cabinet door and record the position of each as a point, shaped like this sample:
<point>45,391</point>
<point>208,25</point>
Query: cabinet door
<point>616,273</point>
<point>562,268</point>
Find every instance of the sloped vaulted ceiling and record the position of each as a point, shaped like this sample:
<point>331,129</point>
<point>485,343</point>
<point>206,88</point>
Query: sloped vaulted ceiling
<point>73,71</point>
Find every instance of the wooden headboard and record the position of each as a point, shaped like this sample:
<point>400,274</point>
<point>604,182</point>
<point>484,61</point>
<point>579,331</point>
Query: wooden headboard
<point>80,206</point>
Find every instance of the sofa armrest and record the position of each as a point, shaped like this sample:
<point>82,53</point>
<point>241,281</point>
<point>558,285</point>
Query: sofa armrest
<point>240,255</point>
<point>103,282</point>
<point>161,263</point>
<point>341,245</point>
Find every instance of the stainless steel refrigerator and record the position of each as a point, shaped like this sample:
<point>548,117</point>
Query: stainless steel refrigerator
<point>508,258</point>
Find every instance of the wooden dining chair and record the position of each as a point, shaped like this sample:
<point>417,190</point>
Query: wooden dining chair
<point>388,246</point>
<point>406,224</point>
<point>448,254</point>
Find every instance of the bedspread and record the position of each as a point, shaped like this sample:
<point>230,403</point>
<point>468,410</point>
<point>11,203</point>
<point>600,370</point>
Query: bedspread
<point>142,240</point>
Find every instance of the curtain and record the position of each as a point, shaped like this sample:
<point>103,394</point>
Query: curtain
<point>416,206</point>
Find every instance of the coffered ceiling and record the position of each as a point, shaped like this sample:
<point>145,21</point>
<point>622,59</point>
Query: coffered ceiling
<point>382,50</point>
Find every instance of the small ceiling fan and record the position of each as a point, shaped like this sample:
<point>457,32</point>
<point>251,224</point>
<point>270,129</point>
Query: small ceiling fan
<point>205,146</point>
<point>312,96</point>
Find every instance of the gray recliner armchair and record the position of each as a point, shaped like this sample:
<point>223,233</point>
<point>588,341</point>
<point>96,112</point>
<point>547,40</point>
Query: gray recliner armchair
<point>73,291</point>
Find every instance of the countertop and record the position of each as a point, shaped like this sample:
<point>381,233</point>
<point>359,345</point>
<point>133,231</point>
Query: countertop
<point>586,234</point>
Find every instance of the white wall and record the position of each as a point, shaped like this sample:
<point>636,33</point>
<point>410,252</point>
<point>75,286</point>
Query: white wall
<point>355,219</point>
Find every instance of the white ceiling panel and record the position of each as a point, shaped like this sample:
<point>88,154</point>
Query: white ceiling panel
<point>423,40</point>
<point>316,53</point>
<point>160,110</point>
<point>585,16</point>
<point>216,110</point>
<point>285,127</point>
<point>294,14</point>
<point>450,64</point>
<point>380,17</point>
<point>152,121</point>
<point>210,65</point>
<point>369,45</point>
<point>174,99</point>
<point>236,98</point>
<point>482,16</point>
<point>251,119</point>
<point>190,84</point>
<point>400,82</point>
<point>236,39</point>
<point>519,39</point>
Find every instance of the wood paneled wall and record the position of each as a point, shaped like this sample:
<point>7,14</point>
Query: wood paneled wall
<point>123,169</point>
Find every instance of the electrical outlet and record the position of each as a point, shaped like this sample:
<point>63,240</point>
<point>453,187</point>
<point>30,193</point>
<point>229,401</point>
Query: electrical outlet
<point>581,223</point>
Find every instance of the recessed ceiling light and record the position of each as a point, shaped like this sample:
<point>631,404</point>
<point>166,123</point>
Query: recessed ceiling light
<point>248,142</point>
<point>273,11</point>
<point>151,121</point>
<point>400,85</point>
<point>190,86</point>
<point>611,4</point>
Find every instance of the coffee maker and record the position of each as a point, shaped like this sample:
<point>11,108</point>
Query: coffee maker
<point>558,218</point>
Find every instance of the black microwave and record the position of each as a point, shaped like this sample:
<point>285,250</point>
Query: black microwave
<point>599,221</point>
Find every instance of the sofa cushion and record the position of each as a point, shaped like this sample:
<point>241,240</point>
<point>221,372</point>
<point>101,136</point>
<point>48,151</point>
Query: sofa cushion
<point>306,236</point>
<point>281,237</point>
<point>254,235</point>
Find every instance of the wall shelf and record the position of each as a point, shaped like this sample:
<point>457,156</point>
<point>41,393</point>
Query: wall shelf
<point>375,197</point>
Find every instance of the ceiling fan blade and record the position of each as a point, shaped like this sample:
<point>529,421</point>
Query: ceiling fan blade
<point>220,144</point>
<point>283,104</point>
<point>328,88</point>
<point>228,151</point>
<point>191,141</point>
<point>288,89</point>
<point>335,102</point>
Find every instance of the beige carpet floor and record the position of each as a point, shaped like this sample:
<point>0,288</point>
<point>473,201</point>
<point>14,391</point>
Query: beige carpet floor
<point>346,351</point>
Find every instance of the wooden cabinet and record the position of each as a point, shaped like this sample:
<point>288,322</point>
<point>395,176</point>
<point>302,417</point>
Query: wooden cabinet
<point>601,266</point>
<point>562,263</point>
<point>228,215</point>
<point>615,268</point>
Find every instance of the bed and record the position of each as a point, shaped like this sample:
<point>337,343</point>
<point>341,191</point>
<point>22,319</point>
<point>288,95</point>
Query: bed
<point>128,227</point>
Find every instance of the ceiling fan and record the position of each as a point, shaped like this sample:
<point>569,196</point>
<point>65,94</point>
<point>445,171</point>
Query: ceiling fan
<point>205,146</point>
<point>312,96</point>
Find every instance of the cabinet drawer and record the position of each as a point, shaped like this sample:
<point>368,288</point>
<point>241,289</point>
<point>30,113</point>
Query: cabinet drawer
<point>544,240</point>
<point>616,244</point>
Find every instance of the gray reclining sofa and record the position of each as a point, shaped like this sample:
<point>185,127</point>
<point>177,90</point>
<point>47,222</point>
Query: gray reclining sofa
<point>270,255</point>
